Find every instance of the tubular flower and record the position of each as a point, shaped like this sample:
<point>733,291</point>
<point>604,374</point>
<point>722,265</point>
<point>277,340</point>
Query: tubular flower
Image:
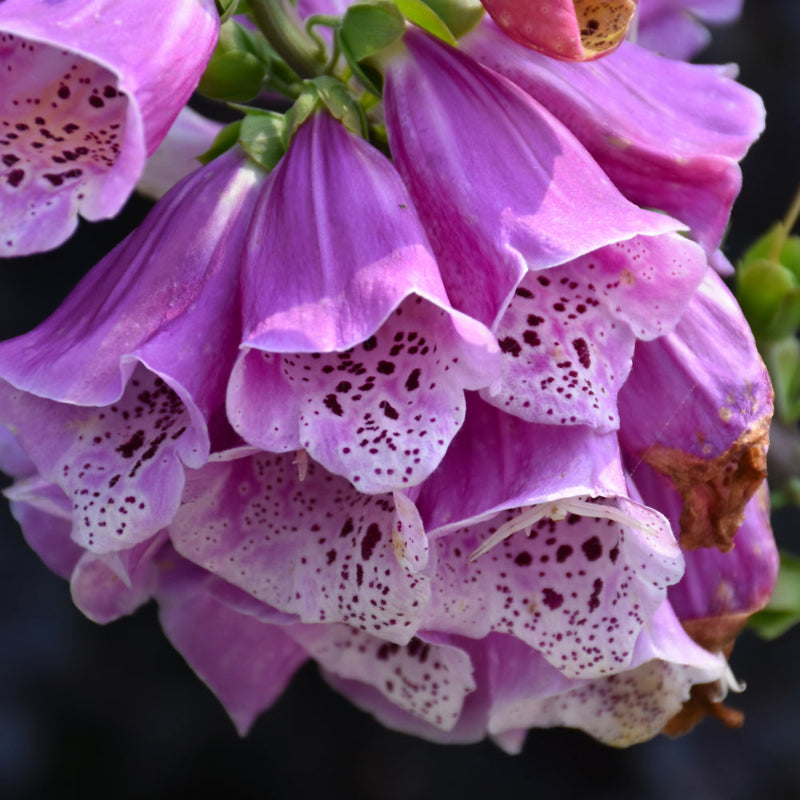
<point>572,30</point>
<point>92,90</point>
<point>115,393</point>
<point>451,423</point>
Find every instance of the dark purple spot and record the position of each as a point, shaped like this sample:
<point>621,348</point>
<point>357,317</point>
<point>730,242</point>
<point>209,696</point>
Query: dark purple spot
<point>15,177</point>
<point>412,382</point>
<point>563,553</point>
<point>332,404</point>
<point>9,159</point>
<point>523,559</point>
<point>594,600</point>
<point>344,386</point>
<point>132,445</point>
<point>371,538</point>
<point>613,554</point>
<point>544,281</point>
<point>63,92</point>
<point>510,345</point>
<point>583,352</point>
<point>385,367</point>
<point>592,548</point>
<point>347,528</point>
<point>96,101</point>
<point>389,410</point>
<point>552,599</point>
<point>523,292</point>
<point>370,344</point>
<point>531,338</point>
<point>359,574</point>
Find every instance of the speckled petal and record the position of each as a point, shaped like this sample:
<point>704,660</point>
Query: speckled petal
<point>647,121</point>
<point>245,662</point>
<point>315,548</point>
<point>697,408</point>
<point>514,190</point>
<point>568,335</point>
<point>95,88</point>
<point>574,30</point>
<point>429,681</point>
<point>579,590</point>
<point>137,377</point>
<point>622,709</point>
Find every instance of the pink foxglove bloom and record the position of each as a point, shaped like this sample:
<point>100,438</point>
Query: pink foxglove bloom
<point>450,423</point>
<point>675,27</point>
<point>116,392</point>
<point>573,30</point>
<point>92,89</point>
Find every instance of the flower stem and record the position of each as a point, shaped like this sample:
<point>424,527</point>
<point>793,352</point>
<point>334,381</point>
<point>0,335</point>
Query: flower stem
<point>787,223</point>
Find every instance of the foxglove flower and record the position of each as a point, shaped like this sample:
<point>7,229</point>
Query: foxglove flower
<point>573,30</point>
<point>647,121</point>
<point>362,356</point>
<point>92,90</point>
<point>123,385</point>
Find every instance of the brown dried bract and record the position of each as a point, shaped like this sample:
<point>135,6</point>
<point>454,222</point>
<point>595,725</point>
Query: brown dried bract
<point>702,703</point>
<point>603,23</point>
<point>715,491</point>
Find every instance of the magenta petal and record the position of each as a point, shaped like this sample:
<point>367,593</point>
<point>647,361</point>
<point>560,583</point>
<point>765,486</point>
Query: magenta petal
<point>44,513</point>
<point>110,586</point>
<point>512,191</point>
<point>429,681</point>
<point>497,462</point>
<point>647,121</point>
<point>315,548</point>
<point>245,662</point>
<point>93,95</point>
<point>697,408</point>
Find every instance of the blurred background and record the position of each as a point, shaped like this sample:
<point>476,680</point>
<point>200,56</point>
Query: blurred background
<point>89,711</point>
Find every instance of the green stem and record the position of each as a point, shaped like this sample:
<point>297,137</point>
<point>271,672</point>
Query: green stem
<point>787,223</point>
<point>283,28</point>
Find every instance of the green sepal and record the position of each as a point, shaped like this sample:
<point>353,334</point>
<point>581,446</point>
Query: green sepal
<point>783,362</point>
<point>261,137</point>
<point>460,16</point>
<point>425,17</point>
<point>329,93</point>
<point>223,141</point>
<point>783,609</point>
<point>238,66</point>
<point>788,254</point>
<point>227,8</point>
<point>366,30</point>
<point>770,297</point>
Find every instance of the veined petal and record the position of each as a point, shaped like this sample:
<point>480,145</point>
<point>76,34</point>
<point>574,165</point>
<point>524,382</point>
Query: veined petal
<point>313,547</point>
<point>514,191</point>
<point>575,30</point>
<point>697,408</point>
<point>245,662</point>
<point>427,680</point>
<point>359,352</point>
<point>125,376</point>
<point>647,121</point>
<point>568,335</point>
<point>95,88</point>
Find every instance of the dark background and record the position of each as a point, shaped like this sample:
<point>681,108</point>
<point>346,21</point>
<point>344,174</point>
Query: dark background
<point>114,712</point>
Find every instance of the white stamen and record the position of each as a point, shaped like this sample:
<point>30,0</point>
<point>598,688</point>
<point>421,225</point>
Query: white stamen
<point>301,459</point>
<point>583,506</point>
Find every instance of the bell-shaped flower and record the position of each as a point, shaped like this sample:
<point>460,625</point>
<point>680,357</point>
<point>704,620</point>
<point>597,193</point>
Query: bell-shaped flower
<point>648,123</point>
<point>544,540</point>
<point>513,191</point>
<point>573,30</point>
<point>125,383</point>
<point>305,542</point>
<point>90,92</point>
<point>347,327</point>
<point>675,27</point>
<point>697,408</point>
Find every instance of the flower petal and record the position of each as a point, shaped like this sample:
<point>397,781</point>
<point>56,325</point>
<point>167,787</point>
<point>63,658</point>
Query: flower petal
<point>697,408</point>
<point>94,92</point>
<point>315,548</point>
<point>512,191</point>
<point>647,121</point>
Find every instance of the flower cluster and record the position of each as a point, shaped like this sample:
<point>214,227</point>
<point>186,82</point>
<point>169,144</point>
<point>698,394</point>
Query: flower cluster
<point>432,384</point>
